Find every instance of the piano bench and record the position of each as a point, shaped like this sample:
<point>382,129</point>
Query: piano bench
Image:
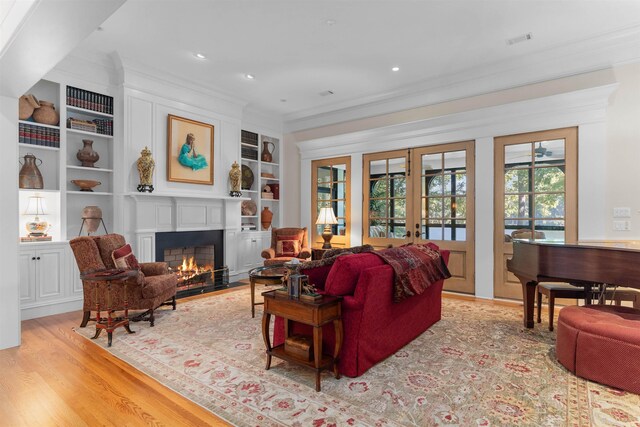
<point>601,343</point>
<point>564,290</point>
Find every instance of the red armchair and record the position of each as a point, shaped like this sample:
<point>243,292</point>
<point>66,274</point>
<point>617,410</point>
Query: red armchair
<point>154,286</point>
<point>271,255</point>
<point>374,326</point>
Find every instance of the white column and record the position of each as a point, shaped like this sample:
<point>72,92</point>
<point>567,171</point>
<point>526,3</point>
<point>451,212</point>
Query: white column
<point>356,199</point>
<point>484,218</point>
<point>9,285</point>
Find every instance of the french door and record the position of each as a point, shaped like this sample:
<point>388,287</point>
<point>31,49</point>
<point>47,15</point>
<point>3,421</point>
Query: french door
<point>424,194</point>
<point>536,196</point>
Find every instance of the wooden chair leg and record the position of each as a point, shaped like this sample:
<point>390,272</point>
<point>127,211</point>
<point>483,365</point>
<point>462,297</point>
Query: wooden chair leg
<point>552,301</point>
<point>152,318</point>
<point>539,307</point>
<point>85,318</point>
<point>173,302</point>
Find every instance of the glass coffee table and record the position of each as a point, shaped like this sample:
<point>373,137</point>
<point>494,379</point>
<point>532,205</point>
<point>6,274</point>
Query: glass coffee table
<point>267,275</point>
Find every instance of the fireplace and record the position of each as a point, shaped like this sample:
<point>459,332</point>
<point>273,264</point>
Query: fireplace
<point>197,257</point>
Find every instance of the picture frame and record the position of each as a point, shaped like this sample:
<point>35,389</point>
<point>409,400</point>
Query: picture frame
<point>189,151</point>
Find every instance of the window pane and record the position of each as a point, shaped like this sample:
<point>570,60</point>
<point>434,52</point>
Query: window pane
<point>516,206</point>
<point>377,168</point>
<point>446,184</point>
<point>435,185</point>
<point>397,165</point>
<point>339,208</point>
<point>446,207</point>
<point>339,172</point>
<point>340,190</point>
<point>516,181</point>
<point>549,206</point>
<point>553,229</point>
<point>435,230</point>
<point>398,208</point>
<point>455,160</point>
<point>461,184</point>
<point>378,188</point>
<point>324,174</point>
<point>517,155</point>
<point>434,207</point>
<point>431,163</point>
<point>455,230</point>
<point>399,187</point>
<point>461,207</point>
<point>549,151</point>
<point>377,208</point>
<point>377,228</point>
<point>397,230</point>
<point>549,179</point>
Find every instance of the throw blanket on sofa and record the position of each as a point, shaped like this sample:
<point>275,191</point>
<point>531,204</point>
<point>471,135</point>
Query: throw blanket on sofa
<point>416,266</point>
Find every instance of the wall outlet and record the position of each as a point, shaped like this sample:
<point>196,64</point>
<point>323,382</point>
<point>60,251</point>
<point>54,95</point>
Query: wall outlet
<point>622,212</point>
<point>622,225</point>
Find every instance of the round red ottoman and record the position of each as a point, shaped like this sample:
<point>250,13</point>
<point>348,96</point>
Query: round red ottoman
<point>601,343</point>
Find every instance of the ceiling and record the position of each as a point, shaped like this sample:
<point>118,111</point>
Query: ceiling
<point>299,48</point>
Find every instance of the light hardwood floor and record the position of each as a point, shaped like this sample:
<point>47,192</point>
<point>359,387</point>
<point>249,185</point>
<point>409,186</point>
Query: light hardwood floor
<point>58,378</point>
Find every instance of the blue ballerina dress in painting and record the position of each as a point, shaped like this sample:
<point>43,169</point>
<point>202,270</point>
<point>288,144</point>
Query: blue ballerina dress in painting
<point>188,156</point>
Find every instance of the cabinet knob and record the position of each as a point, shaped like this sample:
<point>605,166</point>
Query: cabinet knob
<point>33,258</point>
<point>253,240</point>
<point>38,258</point>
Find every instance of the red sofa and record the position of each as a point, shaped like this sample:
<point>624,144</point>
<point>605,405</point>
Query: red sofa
<point>374,326</point>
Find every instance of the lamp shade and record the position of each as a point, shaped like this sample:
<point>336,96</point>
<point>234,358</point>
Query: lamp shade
<point>326,216</point>
<point>35,206</point>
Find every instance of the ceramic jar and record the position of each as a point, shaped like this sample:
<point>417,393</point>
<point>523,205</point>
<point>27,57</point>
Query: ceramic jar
<point>30,176</point>
<point>146,166</point>
<point>92,216</point>
<point>266,216</point>
<point>87,155</point>
<point>235,180</point>
<point>46,114</point>
<point>27,105</point>
<point>267,156</point>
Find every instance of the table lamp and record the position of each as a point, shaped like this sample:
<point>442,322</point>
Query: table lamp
<point>36,228</point>
<point>327,218</point>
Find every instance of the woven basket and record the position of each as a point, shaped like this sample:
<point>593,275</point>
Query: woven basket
<point>81,125</point>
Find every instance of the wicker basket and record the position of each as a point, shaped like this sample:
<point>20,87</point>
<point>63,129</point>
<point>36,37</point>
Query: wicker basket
<point>81,125</point>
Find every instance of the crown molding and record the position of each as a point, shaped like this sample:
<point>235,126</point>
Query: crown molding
<point>562,60</point>
<point>554,111</point>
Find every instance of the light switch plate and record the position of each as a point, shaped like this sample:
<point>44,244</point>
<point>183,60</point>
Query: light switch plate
<point>622,212</point>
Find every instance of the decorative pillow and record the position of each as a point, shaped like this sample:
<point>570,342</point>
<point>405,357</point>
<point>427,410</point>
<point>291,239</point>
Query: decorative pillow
<point>123,258</point>
<point>287,247</point>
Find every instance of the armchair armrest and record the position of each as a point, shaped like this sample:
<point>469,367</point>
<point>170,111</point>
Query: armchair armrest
<point>154,268</point>
<point>268,253</point>
<point>304,253</point>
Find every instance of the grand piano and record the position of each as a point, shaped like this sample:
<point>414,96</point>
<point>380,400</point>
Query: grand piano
<point>581,265</point>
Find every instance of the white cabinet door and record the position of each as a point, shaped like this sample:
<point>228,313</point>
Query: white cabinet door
<point>245,257</point>
<point>231,250</point>
<point>27,266</point>
<point>256,250</point>
<point>50,266</point>
<point>74,284</point>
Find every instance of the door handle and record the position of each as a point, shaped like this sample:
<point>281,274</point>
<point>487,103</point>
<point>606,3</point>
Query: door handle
<point>417,234</point>
<point>33,258</point>
<point>408,234</point>
<point>38,258</point>
<point>418,226</point>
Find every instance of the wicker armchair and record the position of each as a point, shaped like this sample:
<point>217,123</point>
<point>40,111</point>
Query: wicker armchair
<point>269,254</point>
<point>152,287</point>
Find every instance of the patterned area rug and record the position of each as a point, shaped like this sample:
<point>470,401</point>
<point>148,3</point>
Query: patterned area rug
<point>477,366</point>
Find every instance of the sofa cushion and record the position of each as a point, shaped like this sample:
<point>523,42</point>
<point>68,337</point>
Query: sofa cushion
<point>107,243</point>
<point>344,274</point>
<point>155,286</point>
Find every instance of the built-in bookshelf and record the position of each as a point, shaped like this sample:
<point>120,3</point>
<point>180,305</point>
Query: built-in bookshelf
<point>264,174</point>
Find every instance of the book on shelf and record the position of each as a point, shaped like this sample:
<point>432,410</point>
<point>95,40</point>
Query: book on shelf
<point>37,135</point>
<point>88,100</point>
<point>35,239</point>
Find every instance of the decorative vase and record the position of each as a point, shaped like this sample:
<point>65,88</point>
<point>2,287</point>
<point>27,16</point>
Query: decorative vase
<point>146,165</point>
<point>92,217</point>
<point>30,176</point>
<point>275,189</point>
<point>27,104</point>
<point>87,155</point>
<point>234,180</point>
<point>267,156</point>
<point>266,216</point>
<point>46,114</point>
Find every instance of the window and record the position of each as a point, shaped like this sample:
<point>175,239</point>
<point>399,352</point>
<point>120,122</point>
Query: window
<point>330,187</point>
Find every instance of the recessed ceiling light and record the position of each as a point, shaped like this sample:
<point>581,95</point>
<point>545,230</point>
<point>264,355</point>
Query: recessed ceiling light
<point>330,22</point>
<point>283,100</point>
<point>100,28</point>
<point>249,76</point>
<point>520,39</point>
<point>395,69</point>
<point>199,55</point>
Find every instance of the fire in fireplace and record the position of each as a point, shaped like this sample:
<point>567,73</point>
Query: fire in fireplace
<point>192,265</point>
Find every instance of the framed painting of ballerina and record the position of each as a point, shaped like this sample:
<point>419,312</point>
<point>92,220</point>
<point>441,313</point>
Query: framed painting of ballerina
<point>189,151</point>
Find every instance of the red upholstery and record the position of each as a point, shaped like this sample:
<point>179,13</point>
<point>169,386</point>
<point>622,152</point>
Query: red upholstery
<point>374,326</point>
<point>601,343</point>
<point>344,274</point>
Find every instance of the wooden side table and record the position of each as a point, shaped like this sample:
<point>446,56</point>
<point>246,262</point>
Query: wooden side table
<point>267,275</point>
<point>316,314</point>
<point>109,277</point>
